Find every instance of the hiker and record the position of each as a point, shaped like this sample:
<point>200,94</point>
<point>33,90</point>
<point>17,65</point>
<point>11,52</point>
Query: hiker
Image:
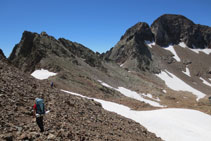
<point>39,111</point>
<point>52,84</point>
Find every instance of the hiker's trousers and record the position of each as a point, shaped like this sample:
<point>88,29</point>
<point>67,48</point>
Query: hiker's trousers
<point>39,121</point>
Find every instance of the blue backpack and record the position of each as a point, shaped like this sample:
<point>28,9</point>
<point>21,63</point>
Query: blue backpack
<point>40,106</point>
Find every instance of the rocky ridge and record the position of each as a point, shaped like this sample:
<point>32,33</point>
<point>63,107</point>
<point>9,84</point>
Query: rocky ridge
<point>33,48</point>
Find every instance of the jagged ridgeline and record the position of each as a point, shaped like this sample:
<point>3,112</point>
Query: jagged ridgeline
<point>131,50</point>
<point>41,50</point>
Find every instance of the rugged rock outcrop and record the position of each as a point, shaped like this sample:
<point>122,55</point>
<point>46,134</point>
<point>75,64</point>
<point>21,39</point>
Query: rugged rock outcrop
<point>70,117</point>
<point>33,48</point>
<point>172,29</point>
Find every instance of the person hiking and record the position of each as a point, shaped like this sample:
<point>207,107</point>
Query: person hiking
<point>39,111</point>
<point>52,84</point>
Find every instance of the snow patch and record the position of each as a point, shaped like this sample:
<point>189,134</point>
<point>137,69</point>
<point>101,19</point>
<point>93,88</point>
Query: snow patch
<point>149,43</point>
<point>206,50</point>
<point>205,82</point>
<point>42,74</point>
<point>122,65</point>
<point>178,85</point>
<point>196,50</point>
<point>182,44</point>
<point>187,72</point>
<point>170,124</point>
<point>132,94</point>
<point>172,50</point>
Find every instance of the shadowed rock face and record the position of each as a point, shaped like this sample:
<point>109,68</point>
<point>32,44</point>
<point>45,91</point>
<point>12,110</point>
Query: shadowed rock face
<point>141,31</point>
<point>2,56</point>
<point>172,29</point>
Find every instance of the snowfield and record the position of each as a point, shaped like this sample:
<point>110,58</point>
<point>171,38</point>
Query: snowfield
<point>206,50</point>
<point>187,72</point>
<point>149,43</point>
<point>42,74</point>
<point>134,95</point>
<point>205,82</point>
<point>170,124</point>
<point>171,49</point>
<point>177,84</point>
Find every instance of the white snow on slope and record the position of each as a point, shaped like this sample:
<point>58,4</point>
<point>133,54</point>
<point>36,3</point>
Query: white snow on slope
<point>187,72</point>
<point>170,124</point>
<point>132,94</point>
<point>171,49</point>
<point>42,74</point>
<point>206,50</point>
<point>182,44</point>
<point>149,43</point>
<point>205,82</point>
<point>177,84</point>
<point>122,65</point>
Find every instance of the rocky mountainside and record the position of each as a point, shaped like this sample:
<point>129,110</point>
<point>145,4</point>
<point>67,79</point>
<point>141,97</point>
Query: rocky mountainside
<point>70,117</point>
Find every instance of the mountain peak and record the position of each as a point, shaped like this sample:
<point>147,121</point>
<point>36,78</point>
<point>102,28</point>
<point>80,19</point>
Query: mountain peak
<point>141,31</point>
<point>172,29</point>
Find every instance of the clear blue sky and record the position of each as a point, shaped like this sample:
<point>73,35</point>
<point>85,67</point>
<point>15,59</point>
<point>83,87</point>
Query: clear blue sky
<point>97,24</point>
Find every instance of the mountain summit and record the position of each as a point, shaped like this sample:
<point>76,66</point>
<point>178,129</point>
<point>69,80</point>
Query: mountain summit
<point>173,29</point>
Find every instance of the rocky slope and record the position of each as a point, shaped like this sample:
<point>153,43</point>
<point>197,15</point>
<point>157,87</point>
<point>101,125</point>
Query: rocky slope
<point>70,117</point>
